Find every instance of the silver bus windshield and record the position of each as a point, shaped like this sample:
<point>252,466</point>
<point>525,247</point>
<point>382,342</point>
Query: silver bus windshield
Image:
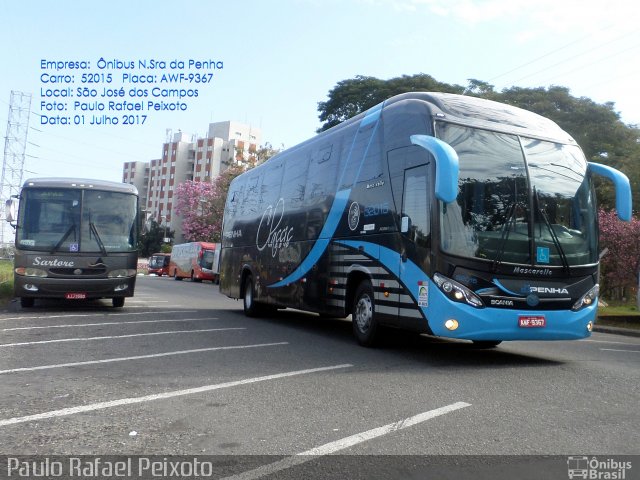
<point>76,221</point>
<point>520,200</point>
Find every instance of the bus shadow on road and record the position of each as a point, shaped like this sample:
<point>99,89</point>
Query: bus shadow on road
<point>421,348</point>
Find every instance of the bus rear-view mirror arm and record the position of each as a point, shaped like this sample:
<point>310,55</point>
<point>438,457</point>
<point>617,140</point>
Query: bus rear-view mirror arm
<point>622,185</point>
<point>447,167</point>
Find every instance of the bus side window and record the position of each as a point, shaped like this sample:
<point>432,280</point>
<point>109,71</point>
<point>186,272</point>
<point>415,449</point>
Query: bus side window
<point>416,205</point>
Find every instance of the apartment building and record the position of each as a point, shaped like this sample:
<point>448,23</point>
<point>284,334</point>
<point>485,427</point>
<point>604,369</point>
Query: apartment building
<point>186,157</point>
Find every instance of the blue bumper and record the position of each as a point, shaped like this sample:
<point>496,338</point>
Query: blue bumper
<point>503,324</point>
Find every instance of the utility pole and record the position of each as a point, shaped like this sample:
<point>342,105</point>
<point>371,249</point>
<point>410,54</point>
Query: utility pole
<point>15,144</point>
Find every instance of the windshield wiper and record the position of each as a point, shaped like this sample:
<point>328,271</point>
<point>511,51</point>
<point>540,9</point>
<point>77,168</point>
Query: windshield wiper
<point>506,230</point>
<point>94,230</point>
<point>554,237</point>
<point>71,229</point>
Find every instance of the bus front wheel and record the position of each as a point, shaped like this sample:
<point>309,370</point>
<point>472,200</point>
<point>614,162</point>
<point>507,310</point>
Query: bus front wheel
<point>27,302</point>
<point>118,302</point>
<point>363,316</point>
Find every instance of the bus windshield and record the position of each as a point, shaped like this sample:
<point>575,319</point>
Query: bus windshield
<point>207,259</point>
<point>520,200</point>
<point>75,220</point>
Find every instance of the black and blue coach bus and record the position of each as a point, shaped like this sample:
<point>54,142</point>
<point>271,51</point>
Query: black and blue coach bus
<point>75,239</point>
<point>445,214</point>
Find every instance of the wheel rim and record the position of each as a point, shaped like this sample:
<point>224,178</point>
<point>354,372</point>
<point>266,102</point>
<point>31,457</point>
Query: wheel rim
<point>364,313</point>
<point>248,295</point>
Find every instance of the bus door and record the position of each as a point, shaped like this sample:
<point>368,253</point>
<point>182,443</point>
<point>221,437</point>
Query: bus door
<point>411,182</point>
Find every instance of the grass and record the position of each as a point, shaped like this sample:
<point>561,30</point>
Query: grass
<point>6,282</point>
<point>623,315</point>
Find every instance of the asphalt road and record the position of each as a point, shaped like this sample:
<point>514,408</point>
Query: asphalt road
<point>180,370</point>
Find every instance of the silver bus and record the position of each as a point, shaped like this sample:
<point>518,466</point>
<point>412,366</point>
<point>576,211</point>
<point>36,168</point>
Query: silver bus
<point>75,239</point>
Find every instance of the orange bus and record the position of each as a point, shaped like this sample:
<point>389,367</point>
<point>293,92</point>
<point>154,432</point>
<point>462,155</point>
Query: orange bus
<point>195,260</point>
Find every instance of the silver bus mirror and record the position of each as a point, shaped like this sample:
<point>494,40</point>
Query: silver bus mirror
<point>11,210</point>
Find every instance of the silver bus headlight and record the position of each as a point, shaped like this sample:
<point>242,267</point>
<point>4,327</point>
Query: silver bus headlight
<point>31,272</point>
<point>122,273</point>
<point>457,292</point>
<point>587,299</point>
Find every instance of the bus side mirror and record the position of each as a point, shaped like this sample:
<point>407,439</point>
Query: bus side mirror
<point>11,210</point>
<point>447,166</point>
<point>623,188</point>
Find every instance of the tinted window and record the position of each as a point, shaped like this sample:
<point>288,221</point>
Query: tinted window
<point>415,204</point>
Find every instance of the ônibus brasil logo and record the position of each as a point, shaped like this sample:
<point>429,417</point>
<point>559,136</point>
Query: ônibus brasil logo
<point>596,468</point>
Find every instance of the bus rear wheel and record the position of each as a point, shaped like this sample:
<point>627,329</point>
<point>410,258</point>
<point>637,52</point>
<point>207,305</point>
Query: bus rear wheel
<point>363,316</point>
<point>175,275</point>
<point>118,302</point>
<point>248,297</point>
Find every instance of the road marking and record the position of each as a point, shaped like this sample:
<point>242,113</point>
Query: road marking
<point>147,301</point>
<point>333,447</point>
<point>41,327</point>
<point>616,343</point>
<point>108,337</point>
<point>614,350</point>
<point>139,357</point>
<point>40,317</point>
<point>162,396</point>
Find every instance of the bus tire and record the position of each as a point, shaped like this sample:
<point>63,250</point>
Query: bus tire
<point>363,316</point>
<point>175,276</point>
<point>251,308</point>
<point>486,343</point>
<point>118,302</point>
<point>27,302</point>
<point>193,277</point>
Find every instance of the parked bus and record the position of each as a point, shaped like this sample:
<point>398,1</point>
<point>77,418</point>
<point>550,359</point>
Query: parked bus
<point>445,214</point>
<point>159,264</point>
<point>75,239</point>
<point>196,260</point>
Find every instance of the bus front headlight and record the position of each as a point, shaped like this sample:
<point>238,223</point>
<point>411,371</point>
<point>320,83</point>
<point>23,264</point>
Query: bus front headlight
<point>587,299</point>
<point>122,273</point>
<point>31,272</point>
<point>457,292</point>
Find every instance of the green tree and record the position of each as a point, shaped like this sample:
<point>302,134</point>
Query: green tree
<point>351,97</point>
<point>151,241</point>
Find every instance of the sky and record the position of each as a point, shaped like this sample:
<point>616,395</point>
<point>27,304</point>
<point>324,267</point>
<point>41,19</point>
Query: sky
<point>281,57</point>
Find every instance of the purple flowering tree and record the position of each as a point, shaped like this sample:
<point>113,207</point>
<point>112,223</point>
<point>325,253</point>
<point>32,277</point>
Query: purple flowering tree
<point>620,266</point>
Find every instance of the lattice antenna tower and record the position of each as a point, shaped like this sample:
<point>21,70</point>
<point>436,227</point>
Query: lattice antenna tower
<point>15,144</point>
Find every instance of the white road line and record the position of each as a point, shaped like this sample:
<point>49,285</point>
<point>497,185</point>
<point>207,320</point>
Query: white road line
<point>153,306</point>
<point>616,343</point>
<point>614,350</point>
<point>46,317</point>
<point>109,337</point>
<point>333,447</point>
<point>139,357</point>
<point>162,396</point>
<point>166,320</point>
<point>147,301</point>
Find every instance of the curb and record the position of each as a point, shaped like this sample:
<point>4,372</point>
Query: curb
<point>629,332</point>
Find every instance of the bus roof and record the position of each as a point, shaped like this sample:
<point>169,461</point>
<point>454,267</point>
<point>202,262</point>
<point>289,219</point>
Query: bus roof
<point>80,183</point>
<point>488,114</point>
<point>463,109</point>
